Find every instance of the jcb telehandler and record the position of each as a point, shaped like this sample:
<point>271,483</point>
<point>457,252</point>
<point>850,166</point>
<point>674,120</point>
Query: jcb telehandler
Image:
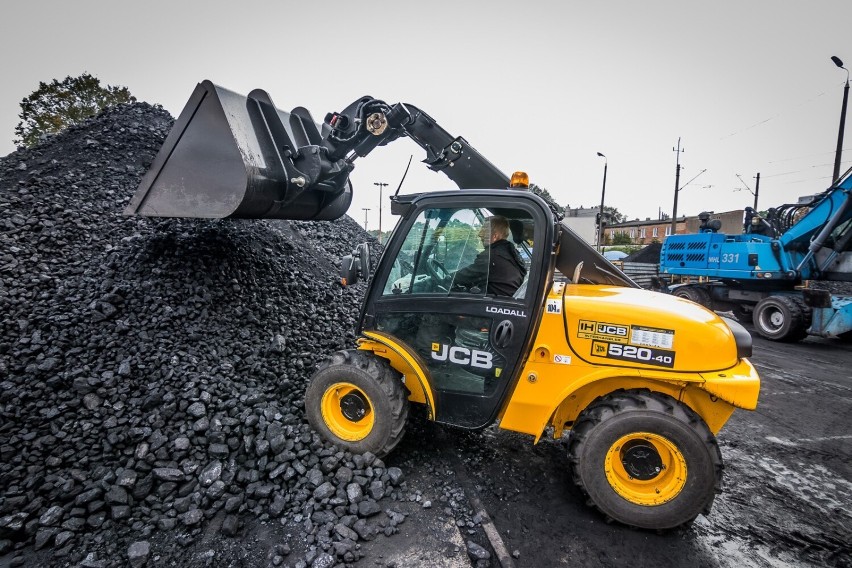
<point>643,381</point>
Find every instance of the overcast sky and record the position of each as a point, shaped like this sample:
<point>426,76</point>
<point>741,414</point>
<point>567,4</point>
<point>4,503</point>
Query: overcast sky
<point>537,86</point>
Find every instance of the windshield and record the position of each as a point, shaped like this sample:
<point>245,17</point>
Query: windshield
<point>464,250</point>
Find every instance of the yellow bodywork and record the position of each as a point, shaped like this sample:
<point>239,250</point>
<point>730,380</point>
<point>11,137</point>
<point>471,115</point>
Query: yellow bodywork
<point>594,340</point>
<point>412,368</point>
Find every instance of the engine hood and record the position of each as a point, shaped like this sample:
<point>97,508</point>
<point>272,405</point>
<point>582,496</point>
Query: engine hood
<point>629,327</point>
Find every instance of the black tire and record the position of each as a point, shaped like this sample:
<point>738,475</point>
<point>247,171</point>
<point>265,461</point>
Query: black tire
<point>612,427</point>
<point>807,314</point>
<point>696,294</point>
<point>779,318</point>
<point>357,401</point>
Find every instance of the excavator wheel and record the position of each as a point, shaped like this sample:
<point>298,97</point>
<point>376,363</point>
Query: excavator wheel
<point>694,293</point>
<point>358,401</point>
<point>807,313</point>
<point>646,460</point>
<point>780,318</point>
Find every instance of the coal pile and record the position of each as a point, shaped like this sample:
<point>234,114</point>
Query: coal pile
<point>152,371</point>
<point>649,254</point>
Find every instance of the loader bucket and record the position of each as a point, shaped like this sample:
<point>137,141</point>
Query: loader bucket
<point>230,155</point>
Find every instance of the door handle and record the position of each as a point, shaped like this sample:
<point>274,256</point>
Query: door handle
<point>503,333</point>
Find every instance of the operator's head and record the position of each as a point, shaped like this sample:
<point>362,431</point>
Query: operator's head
<point>494,229</point>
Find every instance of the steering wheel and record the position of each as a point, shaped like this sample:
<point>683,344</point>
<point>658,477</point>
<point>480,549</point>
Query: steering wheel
<point>439,274</point>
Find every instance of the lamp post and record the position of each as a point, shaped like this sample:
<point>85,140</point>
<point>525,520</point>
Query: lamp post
<point>837,154</point>
<point>601,212</point>
<point>365,209</point>
<point>381,185</point>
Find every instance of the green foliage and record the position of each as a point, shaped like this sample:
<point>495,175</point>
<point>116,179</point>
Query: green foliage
<point>544,194</point>
<point>55,106</point>
<point>626,249</point>
<point>621,239</point>
<point>612,216</point>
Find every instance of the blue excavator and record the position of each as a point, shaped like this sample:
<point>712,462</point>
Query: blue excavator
<point>787,269</point>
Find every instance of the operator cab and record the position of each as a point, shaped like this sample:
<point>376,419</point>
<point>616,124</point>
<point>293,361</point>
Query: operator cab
<point>470,339</point>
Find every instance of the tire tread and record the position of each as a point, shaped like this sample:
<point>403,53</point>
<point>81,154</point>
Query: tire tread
<point>622,401</point>
<point>388,381</point>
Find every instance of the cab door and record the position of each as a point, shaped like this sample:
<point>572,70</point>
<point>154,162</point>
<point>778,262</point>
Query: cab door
<point>470,341</point>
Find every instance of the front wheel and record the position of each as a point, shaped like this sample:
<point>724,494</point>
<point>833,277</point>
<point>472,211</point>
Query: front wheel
<point>357,401</point>
<point>645,460</point>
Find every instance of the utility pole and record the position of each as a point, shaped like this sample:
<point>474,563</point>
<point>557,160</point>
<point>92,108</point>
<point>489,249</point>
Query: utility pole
<point>365,210</point>
<point>381,185</point>
<point>601,212</point>
<point>839,151</point>
<point>677,186</point>
<point>748,189</point>
<point>756,189</point>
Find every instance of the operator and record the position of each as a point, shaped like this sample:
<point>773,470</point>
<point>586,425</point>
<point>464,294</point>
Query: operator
<point>498,268</point>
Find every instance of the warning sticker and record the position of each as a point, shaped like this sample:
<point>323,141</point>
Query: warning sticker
<point>563,359</point>
<point>652,337</point>
<point>554,306</point>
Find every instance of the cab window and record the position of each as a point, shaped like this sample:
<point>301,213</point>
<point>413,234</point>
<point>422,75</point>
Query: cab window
<point>463,251</point>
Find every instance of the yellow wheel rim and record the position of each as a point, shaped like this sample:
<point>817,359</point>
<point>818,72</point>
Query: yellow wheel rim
<point>347,412</point>
<point>645,469</point>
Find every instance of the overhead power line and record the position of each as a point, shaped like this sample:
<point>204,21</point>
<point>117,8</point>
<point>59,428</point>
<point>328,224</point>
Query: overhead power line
<point>773,117</point>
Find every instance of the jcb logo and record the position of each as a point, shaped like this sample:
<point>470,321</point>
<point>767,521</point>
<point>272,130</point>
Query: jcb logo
<point>599,348</point>
<point>609,329</point>
<point>462,356</point>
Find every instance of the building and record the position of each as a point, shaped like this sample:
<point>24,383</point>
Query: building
<point>732,222</point>
<point>656,230</point>
<point>583,222</point>
<point>644,232</point>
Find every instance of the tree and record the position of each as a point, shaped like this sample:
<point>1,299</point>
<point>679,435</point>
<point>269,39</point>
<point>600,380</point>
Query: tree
<point>544,194</point>
<point>55,106</point>
<point>612,215</point>
<point>621,239</point>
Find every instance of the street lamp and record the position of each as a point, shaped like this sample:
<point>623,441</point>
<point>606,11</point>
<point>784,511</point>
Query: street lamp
<point>365,209</point>
<point>601,212</point>
<point>381,185</point>
<point>836,174</point>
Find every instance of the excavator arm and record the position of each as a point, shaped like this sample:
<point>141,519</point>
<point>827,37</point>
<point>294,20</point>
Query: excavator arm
<point>230,155</point>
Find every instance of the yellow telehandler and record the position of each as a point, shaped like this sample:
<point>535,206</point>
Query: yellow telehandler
<point>643,381</point>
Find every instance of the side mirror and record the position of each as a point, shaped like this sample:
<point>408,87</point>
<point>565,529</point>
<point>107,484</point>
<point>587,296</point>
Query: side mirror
<point>356,266</point>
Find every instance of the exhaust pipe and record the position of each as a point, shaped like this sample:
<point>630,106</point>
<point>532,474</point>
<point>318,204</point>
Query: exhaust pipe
<point>230,155</point>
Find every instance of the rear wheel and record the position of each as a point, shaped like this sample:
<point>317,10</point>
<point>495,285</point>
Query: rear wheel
<point>645,460</point>
<point>358,401</point>
<point>807,314</point>
<point>780,318</point>
<point>696,294</point>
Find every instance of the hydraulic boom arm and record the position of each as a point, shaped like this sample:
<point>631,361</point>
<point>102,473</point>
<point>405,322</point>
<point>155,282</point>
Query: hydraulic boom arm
<point>230,155</point>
